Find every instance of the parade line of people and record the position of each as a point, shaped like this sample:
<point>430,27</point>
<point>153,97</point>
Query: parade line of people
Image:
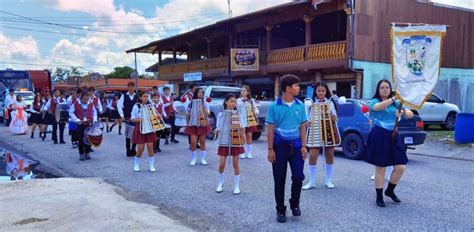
<point>295,129</point>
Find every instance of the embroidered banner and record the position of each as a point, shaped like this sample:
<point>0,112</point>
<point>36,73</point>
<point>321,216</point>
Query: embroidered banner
<point>416,61</point>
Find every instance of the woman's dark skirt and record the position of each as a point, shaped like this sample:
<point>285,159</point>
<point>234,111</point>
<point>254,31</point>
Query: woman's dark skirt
<point>384,151</point>
<point>35,118</point>
<point>114,114</point>
<point>48,119</point>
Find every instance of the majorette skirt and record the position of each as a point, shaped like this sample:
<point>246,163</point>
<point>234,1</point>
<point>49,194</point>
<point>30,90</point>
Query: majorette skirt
<point>197,130</point>
<point>251,129</point>
<point>384,151</point>
<point>224,151</point>
<point>35,118</point>
<point>139,138</point>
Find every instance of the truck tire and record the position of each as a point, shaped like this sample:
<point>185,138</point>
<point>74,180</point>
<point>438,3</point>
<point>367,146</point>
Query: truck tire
<point>353,146</point>
<point>256,135</point>
<point>212,122</point>
<point>450,122</point>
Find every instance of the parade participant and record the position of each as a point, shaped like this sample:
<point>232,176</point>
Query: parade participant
<point>186,98</point>
<point>248,111</point>
<point>75,97</point>
<point>154,90</point>
<point>198,125</point>
<point>286,139</point>
<point>167,100</point>
<point>7,103</point>
<point>142,139</point>
<point>47,116</point>
<point>114,114</point>
<point>104,114</point>
<point>84,114</point>
<point>95,100</point>
<point>231,135</point>
<point>124,107</point>
<point>53,108</point>
<point>35,119</point>
<point>19,122</point>
<point>158,105</point>
<point>384,145</point>
<point>317,107</point>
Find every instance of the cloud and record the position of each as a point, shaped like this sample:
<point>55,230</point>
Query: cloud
<point>23,48</point>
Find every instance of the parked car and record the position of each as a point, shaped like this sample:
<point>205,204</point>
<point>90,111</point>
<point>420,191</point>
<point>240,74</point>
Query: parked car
<point>436,111</point>
<point>217,94</point>
<point>27,96</point>
<point>354,128</point>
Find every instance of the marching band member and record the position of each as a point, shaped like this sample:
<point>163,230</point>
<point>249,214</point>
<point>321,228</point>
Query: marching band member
<point>167,100</point>
<point>248,111</point>
<point>84,114</point>
<point>124,107</point>
<point>286,141</point>
<point>231,134</point>
<point>161,112</point>
<point>197,124</point>
<point>104,114</point>
<point>19,123</point>
<point>139,138</point>
<point>186,98</point>
<point>321,95</point>
<point>95,100</point>
<point>74,98</point>
<point>114,114</point>
<point>53,107</point>
<point>47,116</point>
<point>383,147</point>
<point>7,103</point>
<point>35,118</point>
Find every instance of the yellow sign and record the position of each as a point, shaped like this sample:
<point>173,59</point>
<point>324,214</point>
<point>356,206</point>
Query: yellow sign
<point>244,59</point>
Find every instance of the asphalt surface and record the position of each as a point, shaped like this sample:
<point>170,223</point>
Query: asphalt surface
<point>437,193</point>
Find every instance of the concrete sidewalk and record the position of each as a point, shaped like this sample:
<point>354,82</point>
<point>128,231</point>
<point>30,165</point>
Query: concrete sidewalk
<point>67,204</point>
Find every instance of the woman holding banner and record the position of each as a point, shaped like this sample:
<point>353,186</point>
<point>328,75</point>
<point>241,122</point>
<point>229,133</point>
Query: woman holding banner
<point>384,145</point>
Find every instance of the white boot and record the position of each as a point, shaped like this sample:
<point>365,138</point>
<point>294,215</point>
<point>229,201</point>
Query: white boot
<point>329,170</point>
<point>312,178</point>
<point>236,184</point>
<point>220,185</point>
<point>193,158</point>
<point>136,164</point>
<point>151,164</point>
<point>203,158</point>
<point>249,151</point>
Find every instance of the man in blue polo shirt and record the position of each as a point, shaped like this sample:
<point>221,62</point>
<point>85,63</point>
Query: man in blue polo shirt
<point>287,144</point>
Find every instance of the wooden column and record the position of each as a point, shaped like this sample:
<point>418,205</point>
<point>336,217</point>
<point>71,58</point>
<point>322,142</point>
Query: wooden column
<point>160,58</point>
<point>209,48</point>
<point>308,40</point>
<point>277,86</point>
<point>268,46</point>
<point>190,51</point>
<point>174,55</point>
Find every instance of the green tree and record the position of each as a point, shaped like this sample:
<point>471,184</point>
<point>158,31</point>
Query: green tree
<point>120,72</point>
<point>60,74</point>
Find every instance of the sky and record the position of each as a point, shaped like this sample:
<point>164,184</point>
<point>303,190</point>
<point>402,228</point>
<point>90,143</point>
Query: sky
<point>94,34</point>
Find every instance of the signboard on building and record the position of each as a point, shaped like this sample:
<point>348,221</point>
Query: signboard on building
<point>244,59</point>
<point>194,76</point>
<point>416,61</point>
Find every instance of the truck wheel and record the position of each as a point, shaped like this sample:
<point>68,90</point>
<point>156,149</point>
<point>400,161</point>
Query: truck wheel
<point>450,122</point>
<point>212,122</point>
<point>256,135</point>
<point>353,146</point>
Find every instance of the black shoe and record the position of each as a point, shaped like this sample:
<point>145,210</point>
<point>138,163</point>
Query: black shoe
<point>32,136</point>
<point>88,157</point>
<point>380,203</point>
<point>62,142</point>
<point>166,142</point>
<point>55,142</point>
<point>296,211</point>
<point>158,149</point>
<point>174,141</point>
<point>82,157</point>
<point>281,217</point>
<point>393,197</point>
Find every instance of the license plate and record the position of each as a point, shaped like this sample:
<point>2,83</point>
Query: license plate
<point>408,140</point>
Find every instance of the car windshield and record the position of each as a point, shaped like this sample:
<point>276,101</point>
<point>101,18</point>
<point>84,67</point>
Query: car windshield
<point>217,93</point>
<point>26,96</point>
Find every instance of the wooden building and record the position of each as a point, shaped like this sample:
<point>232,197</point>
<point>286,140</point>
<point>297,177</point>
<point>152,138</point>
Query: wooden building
<point>335,41</point>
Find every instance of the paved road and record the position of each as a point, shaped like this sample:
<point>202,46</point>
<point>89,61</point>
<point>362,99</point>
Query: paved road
<point>437,193</point>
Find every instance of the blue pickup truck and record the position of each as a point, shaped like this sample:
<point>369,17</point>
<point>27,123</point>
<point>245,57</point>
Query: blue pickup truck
<point>354,128</point>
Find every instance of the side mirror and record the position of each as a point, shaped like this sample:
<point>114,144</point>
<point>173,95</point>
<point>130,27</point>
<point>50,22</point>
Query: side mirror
<point>443,100</point>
